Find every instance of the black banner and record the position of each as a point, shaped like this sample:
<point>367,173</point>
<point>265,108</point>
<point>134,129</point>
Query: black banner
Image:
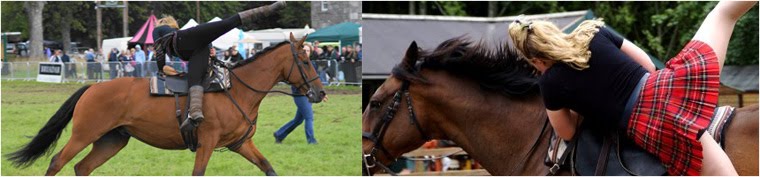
<point>51,69</point>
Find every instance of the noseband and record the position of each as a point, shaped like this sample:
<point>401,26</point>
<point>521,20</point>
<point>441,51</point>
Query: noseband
<point>378,132</point>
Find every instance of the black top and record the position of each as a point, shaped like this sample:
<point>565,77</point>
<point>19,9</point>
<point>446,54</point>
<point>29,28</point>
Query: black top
<point>161,31</point>
<point>598,93</point>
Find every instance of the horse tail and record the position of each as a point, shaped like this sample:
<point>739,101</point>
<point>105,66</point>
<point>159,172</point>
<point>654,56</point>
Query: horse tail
<point>47,136</point>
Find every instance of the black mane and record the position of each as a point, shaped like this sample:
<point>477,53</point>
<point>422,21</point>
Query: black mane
<point>260,53</point>
<point>502,70</point>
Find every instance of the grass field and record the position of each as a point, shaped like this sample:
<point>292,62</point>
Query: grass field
<point>26,106</point>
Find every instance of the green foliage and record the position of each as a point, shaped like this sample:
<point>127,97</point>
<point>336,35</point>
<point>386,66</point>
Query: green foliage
<point>294,16</point>
<point>84,25</point>
<point>11,18</point>
<point>743,47</point>
<point>452,8</point>
<point>28,105</point>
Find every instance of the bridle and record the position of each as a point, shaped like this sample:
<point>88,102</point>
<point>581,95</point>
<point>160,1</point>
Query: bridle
<point>299,64</point>
<point>378,132</point>
<point>296,63</point>
<point>369,160</point>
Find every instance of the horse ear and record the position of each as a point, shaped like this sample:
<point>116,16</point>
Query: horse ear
<point>292,38</point>
<point>303,39</point>
<point>412,53</point>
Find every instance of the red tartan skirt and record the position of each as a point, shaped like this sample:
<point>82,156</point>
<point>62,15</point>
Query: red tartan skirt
<point>674,105</point>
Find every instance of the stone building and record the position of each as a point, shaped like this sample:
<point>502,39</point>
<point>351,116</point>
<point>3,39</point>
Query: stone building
<point>326,13</point>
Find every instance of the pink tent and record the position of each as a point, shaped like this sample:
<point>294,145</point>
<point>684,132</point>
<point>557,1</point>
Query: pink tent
<point>145,35</point>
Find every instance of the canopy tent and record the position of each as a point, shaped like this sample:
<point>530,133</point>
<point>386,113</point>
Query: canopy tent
<point>190,23</point>
<point>144,36</point>
<point>346,33</point>
<point>118,43</point>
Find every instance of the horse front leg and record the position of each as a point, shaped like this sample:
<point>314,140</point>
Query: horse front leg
<point>206,144</point>
<point>250,152</point>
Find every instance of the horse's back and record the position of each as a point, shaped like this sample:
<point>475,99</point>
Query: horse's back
<point>741,138</point>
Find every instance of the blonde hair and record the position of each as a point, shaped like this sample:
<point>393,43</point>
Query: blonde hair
<point>544,40</point>
<point>168,20</point>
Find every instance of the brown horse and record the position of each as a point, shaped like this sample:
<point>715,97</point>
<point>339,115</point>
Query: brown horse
<point>488,103</point>
<point>107,114</point>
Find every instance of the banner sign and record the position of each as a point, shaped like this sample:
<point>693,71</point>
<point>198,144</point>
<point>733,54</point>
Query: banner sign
<point>50,72</point>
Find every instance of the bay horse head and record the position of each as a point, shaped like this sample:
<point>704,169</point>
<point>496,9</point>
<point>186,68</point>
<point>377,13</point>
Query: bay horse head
<point>291,65</point>
<point>452,92</point>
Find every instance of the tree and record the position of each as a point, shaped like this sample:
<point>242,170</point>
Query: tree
<point>293,16</point>
<point>60,20</point>
<point>14,18</point>
<point>34,11</point>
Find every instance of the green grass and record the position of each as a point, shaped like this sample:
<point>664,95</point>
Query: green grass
<point>26,106</point>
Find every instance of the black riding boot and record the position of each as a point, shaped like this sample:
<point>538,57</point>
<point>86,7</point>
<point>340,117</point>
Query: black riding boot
<point>195,112</point>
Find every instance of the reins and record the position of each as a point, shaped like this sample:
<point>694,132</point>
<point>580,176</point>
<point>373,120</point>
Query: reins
<point>252,122</point>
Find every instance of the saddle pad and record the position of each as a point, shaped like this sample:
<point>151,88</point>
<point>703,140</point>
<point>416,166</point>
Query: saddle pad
<point>623,154</point>
<point>217,80</point>
<point>722,117</point>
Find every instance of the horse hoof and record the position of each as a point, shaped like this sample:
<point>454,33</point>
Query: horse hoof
<point>271,173</point>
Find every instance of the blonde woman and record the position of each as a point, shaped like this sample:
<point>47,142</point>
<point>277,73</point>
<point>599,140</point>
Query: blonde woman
<point>193,45</point>
<point>613,84</point>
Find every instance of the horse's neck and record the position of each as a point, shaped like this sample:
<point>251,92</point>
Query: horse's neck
<point>262,74</point>
<point>499,132</point>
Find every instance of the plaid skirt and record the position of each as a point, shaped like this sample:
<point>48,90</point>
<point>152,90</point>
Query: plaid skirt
<point>674,106</point>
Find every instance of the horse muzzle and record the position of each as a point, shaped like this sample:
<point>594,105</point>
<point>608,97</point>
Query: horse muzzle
<point>315,96</point>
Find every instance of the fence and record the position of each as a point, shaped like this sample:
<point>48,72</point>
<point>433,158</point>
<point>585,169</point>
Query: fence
<point>337,73</point>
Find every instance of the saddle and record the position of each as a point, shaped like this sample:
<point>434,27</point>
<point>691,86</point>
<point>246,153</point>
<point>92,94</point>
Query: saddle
<point>612,153</point>
<point>216,80</point>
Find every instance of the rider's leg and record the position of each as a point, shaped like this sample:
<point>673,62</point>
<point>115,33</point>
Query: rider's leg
<point>715,162</point>
<point>197,67</point>
<point>203,34</point>
<point>717,27</point>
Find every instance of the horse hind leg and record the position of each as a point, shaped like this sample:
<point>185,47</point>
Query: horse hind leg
<point>76,144</point>
<point>250,152</point>
<point>102,150</point>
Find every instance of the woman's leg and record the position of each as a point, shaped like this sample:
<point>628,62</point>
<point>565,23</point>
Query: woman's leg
<point>198,64</point>
<point>285,130</point>
<point>719,24</point>
<point>304,108</point>
<point>202,35</point>
<point>715,162</point>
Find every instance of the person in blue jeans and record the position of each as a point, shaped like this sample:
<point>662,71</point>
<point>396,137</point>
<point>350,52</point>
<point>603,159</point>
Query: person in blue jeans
<point>304,113</point>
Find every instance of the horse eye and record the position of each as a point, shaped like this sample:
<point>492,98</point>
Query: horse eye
<point>374,104</point>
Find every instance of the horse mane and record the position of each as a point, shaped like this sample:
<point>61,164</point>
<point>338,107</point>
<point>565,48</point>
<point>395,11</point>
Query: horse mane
<point>502,69</point>
<point>260,53</point>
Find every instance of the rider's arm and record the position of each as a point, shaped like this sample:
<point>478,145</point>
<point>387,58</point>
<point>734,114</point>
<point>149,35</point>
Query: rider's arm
<point>637,55</point>
<point>564,121</point>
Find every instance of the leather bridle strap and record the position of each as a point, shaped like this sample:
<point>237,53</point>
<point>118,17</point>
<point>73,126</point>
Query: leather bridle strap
<point>378,132</point>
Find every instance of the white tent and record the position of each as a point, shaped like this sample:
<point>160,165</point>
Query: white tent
<point>277,35</point>
<point>190,23</point>
<point>118,43</point>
